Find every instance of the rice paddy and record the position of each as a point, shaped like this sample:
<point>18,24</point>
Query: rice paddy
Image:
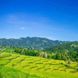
<point>41,67</point>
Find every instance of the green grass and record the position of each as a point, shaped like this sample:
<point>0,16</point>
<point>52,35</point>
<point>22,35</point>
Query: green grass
<point>41,67</point>
<point>6,72</point>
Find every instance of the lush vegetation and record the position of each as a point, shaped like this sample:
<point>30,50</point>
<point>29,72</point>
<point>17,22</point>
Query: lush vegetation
<point>7,72</point>
<point>53,59</point>
<point>66,51</point>
<point>37,67</point>
<point>30,42</point>
<point>62,50</point>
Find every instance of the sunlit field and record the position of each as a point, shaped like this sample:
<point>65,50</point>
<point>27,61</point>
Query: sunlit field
<point>37,66</point>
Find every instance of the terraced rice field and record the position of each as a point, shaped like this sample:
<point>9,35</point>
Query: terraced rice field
<point>6,72</point>
<point>41,67</point>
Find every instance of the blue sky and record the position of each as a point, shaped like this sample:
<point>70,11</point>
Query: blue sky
<point>53,19</point>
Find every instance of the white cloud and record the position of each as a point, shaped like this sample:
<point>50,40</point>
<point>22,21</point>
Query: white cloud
<point>22,28</point>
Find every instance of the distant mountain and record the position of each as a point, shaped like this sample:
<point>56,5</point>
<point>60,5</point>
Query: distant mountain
<point>30,42</point>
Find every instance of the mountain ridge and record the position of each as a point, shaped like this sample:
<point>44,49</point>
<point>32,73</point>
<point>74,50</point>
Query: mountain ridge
<point>30,42</point>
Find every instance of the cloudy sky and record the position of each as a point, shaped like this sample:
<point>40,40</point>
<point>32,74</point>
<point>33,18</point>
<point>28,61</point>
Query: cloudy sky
<point>53,19</point>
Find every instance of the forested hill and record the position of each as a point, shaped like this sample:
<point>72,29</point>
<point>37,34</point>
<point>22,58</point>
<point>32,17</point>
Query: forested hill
<point>30,42</point>
<point>62,50</point>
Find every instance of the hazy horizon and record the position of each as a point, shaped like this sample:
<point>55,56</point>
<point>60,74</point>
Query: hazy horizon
<point>39,37</point>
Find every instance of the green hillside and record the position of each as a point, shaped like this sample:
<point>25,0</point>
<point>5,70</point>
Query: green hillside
<point>36,67</point>
<point>30,42</point>
<point>6,72</point>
